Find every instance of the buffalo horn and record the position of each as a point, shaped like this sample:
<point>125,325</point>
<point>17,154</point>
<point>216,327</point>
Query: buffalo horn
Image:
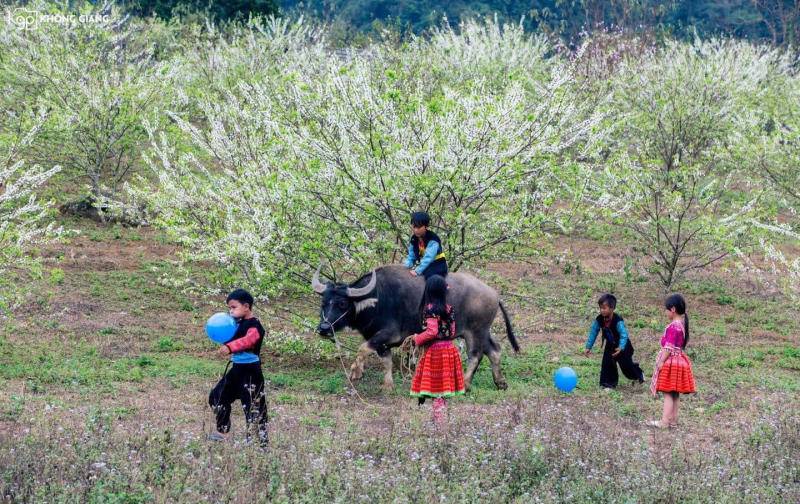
<point>318,286</point>
<point>354,292</point>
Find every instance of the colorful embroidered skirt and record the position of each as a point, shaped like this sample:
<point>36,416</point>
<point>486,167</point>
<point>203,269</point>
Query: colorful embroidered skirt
<point>438,372</point>
<point>676,375</point>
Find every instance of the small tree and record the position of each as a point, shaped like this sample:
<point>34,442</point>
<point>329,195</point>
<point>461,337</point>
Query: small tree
<point>775,130</point>
<point>775,133</point>
<point>677,181</point>
<point>98,78</point>
<point>779,269</point>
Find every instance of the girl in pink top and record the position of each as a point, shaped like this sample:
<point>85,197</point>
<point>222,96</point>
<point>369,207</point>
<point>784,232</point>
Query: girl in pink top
<point>439,371</point>
<point>673,371</point>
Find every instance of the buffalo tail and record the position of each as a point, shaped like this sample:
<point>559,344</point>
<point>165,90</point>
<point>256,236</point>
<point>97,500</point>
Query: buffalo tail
<point>509,329</point>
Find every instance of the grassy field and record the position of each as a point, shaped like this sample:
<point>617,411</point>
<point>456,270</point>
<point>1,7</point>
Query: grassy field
<point>105,372</point>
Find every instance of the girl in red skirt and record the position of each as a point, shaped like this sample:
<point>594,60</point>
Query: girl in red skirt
<point>438,374</point>
<point>673,372</point>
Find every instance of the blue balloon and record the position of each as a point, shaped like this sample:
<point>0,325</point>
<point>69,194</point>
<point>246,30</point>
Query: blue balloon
<point>221,327</point>
<point>565,379</point>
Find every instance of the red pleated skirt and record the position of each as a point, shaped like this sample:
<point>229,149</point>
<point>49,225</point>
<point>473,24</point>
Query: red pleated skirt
<point>676,375</point>
<point>439,372</point>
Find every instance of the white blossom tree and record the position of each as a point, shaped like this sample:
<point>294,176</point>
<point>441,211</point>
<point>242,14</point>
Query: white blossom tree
<point>319,155</point>
<point>24,220</point>
<point>227,186</point>
<point>775,134</point>
<point>678,182</point>
<point>98,78</point>
<point>382,142</point>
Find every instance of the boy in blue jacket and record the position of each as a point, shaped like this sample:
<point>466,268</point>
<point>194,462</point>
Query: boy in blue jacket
<point>425,249</point>
<point>618,347</point>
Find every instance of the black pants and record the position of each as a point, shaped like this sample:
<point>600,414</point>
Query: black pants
<point>608,370</point>
<point>244,382</point>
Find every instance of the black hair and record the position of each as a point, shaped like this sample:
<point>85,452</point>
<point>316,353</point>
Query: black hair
<point>607,299</point>
<point>242,296</point>
<point>419,219</point>
<point>676,301</point>
<point>434,301</point>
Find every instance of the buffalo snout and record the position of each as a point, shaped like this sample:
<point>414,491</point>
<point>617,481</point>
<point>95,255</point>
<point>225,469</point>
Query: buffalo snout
<point>325,329</point>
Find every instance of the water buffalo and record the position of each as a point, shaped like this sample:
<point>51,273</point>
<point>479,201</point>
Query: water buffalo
<point>384,306</point>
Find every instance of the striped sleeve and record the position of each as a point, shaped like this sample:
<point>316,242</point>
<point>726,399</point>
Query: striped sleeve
<point>430,333</point>
<point>247,341</point>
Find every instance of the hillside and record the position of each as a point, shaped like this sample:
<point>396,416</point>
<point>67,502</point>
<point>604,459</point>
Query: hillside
<point>105,372</point>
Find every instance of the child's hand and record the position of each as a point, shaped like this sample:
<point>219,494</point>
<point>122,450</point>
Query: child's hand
<point>224,351</point>
<point>616,353</point>
<point>413,272</point>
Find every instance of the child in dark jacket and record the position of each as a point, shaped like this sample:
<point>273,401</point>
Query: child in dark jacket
<point>425,249</point>
<point>244,381</point>
<point>618,347</point>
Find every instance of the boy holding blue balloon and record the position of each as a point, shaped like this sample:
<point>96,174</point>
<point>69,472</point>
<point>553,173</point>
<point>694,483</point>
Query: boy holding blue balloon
<point>618,347</point>
<point>244,381</point>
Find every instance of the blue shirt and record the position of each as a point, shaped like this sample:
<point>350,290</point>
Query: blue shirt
<point>595,330</point>
<point>244,358</point>
<point>431,252</point>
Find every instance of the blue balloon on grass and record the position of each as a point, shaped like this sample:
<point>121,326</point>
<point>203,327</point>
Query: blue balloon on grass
<point>565,379</point>
<point>220,327</point>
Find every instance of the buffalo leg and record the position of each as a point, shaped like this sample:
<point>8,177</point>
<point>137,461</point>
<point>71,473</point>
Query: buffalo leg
<point>474,356</point>
<point>388,380</point>
<point>357,368</point>
<point>494,358</point>
<point>382,341</point>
